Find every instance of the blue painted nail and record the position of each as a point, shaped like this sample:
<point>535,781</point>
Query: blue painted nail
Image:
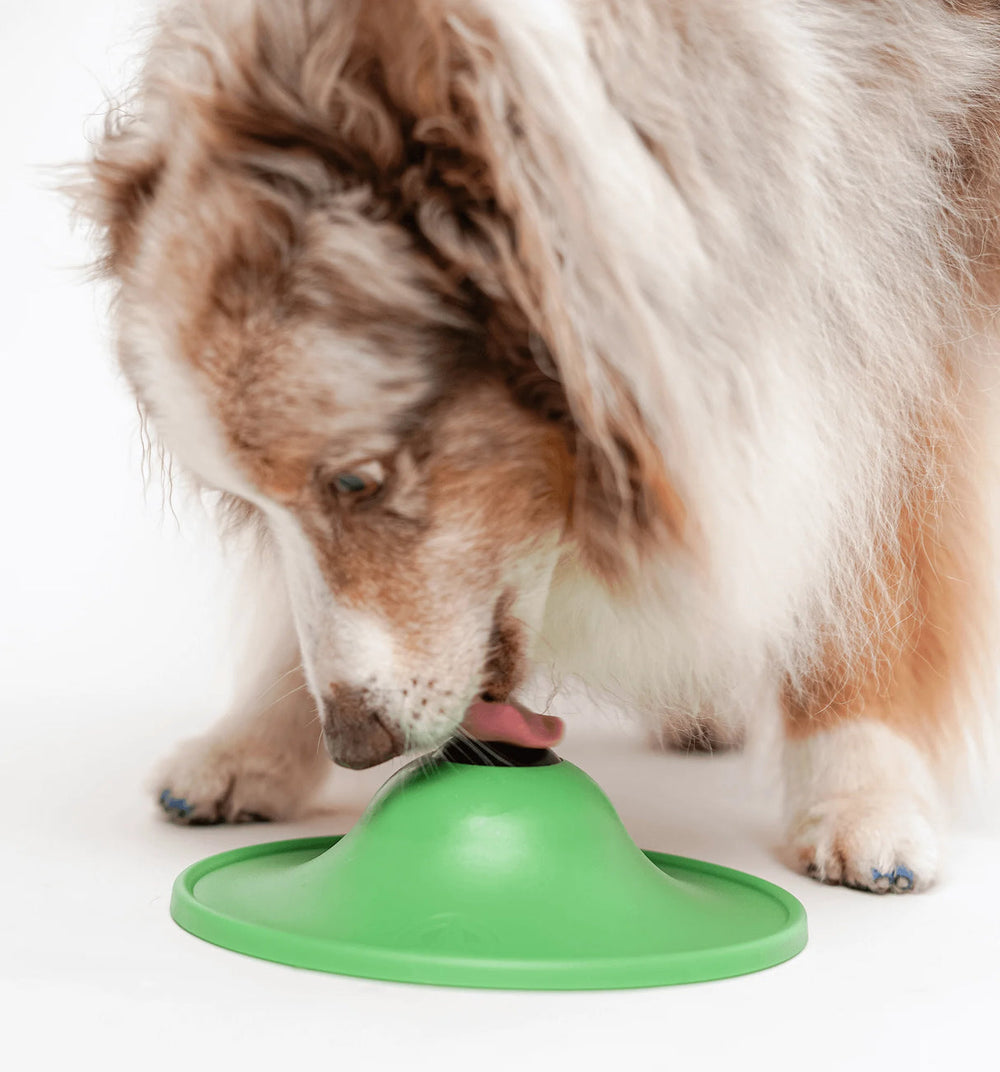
<point>178,805</point>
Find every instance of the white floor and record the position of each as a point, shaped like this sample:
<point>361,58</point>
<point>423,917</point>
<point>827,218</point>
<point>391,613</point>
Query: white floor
<point>110,644</point>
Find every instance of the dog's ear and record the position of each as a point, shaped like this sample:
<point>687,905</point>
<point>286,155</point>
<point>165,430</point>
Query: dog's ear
<point>505,187</point>
<point>118,183</point>
<point>480,124</point>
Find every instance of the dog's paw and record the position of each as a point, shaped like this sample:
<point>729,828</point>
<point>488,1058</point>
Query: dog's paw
<point>871,843</point>
<point>224,781</point>
<point>701,736</point>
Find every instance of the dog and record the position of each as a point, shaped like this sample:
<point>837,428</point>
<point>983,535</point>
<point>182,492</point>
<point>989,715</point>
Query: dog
<point>649,341</point>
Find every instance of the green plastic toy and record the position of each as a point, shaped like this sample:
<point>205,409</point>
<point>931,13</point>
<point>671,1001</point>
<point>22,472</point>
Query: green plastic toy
<point>518,874</point>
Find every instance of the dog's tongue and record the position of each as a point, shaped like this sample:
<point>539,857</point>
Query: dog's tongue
<point>513,724</point>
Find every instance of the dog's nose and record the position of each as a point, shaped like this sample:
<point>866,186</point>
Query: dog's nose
<point>356,732</point>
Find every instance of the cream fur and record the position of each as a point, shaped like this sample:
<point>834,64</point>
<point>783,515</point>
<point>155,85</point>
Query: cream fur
<point>794,296</point>
<point>861,801</point>
<point>738,218</point>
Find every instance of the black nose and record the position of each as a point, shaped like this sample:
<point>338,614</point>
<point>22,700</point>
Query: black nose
<point>356,733</point>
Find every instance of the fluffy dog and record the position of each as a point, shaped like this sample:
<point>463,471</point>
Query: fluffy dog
<point>649,340</point>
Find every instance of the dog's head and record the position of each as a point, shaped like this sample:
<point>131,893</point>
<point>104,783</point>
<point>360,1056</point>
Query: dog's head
<point>357,293</point>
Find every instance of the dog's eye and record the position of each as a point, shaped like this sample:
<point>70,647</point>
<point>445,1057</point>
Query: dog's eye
<point>360,482</point>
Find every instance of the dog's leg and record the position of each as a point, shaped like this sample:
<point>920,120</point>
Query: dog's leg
<point>866,740</point>
<point>704,733</point>
<point>863,807</point>
<point>265,759</point>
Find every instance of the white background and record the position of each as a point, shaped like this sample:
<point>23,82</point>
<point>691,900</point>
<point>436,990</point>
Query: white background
<point>111,643</point>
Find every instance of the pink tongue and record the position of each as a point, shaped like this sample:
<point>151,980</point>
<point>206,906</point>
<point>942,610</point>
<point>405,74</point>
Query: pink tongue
<point>513,724</point>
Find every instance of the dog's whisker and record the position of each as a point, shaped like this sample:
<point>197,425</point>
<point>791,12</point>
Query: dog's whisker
<point>277,681</point>
<point>291,692</point>
<point>736,422</point>
<point>482,749</point>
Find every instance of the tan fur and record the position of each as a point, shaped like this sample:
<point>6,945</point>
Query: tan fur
<point>673,320</point>
<point>380,558</point>
<point>927,612</point>
<point>249,186</point>
<point>930,605</point>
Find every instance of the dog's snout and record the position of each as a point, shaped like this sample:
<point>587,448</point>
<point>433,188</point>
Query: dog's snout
<point>357,733</point>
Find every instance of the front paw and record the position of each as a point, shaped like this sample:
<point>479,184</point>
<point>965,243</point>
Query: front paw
<point>218,781</point>
<point>875,843</point>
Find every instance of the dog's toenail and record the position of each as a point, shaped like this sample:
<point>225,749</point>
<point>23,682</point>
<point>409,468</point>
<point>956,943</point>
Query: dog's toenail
<point>880,881</point>
<point>176,807</point>
<point>904,878</point>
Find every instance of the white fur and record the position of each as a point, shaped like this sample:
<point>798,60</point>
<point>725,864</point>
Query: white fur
<point>169,391</point>
<point>778,301</point>
<point>265,758</point>
<point>862,802</point>
<point>340,644</point>
<point>781,383</point>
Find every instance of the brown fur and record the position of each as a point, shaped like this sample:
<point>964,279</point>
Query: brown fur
<point>974,175</point>
<point>375,550</point>
<point>926,613</point>
<point>279,136</point>
<point>374,251</point>
<point>312,107</point>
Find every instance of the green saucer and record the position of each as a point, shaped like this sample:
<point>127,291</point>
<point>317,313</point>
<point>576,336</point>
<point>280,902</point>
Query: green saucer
<point>490,876</point>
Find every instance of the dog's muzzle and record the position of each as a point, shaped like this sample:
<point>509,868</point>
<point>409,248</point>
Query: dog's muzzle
<point>356,733</point>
